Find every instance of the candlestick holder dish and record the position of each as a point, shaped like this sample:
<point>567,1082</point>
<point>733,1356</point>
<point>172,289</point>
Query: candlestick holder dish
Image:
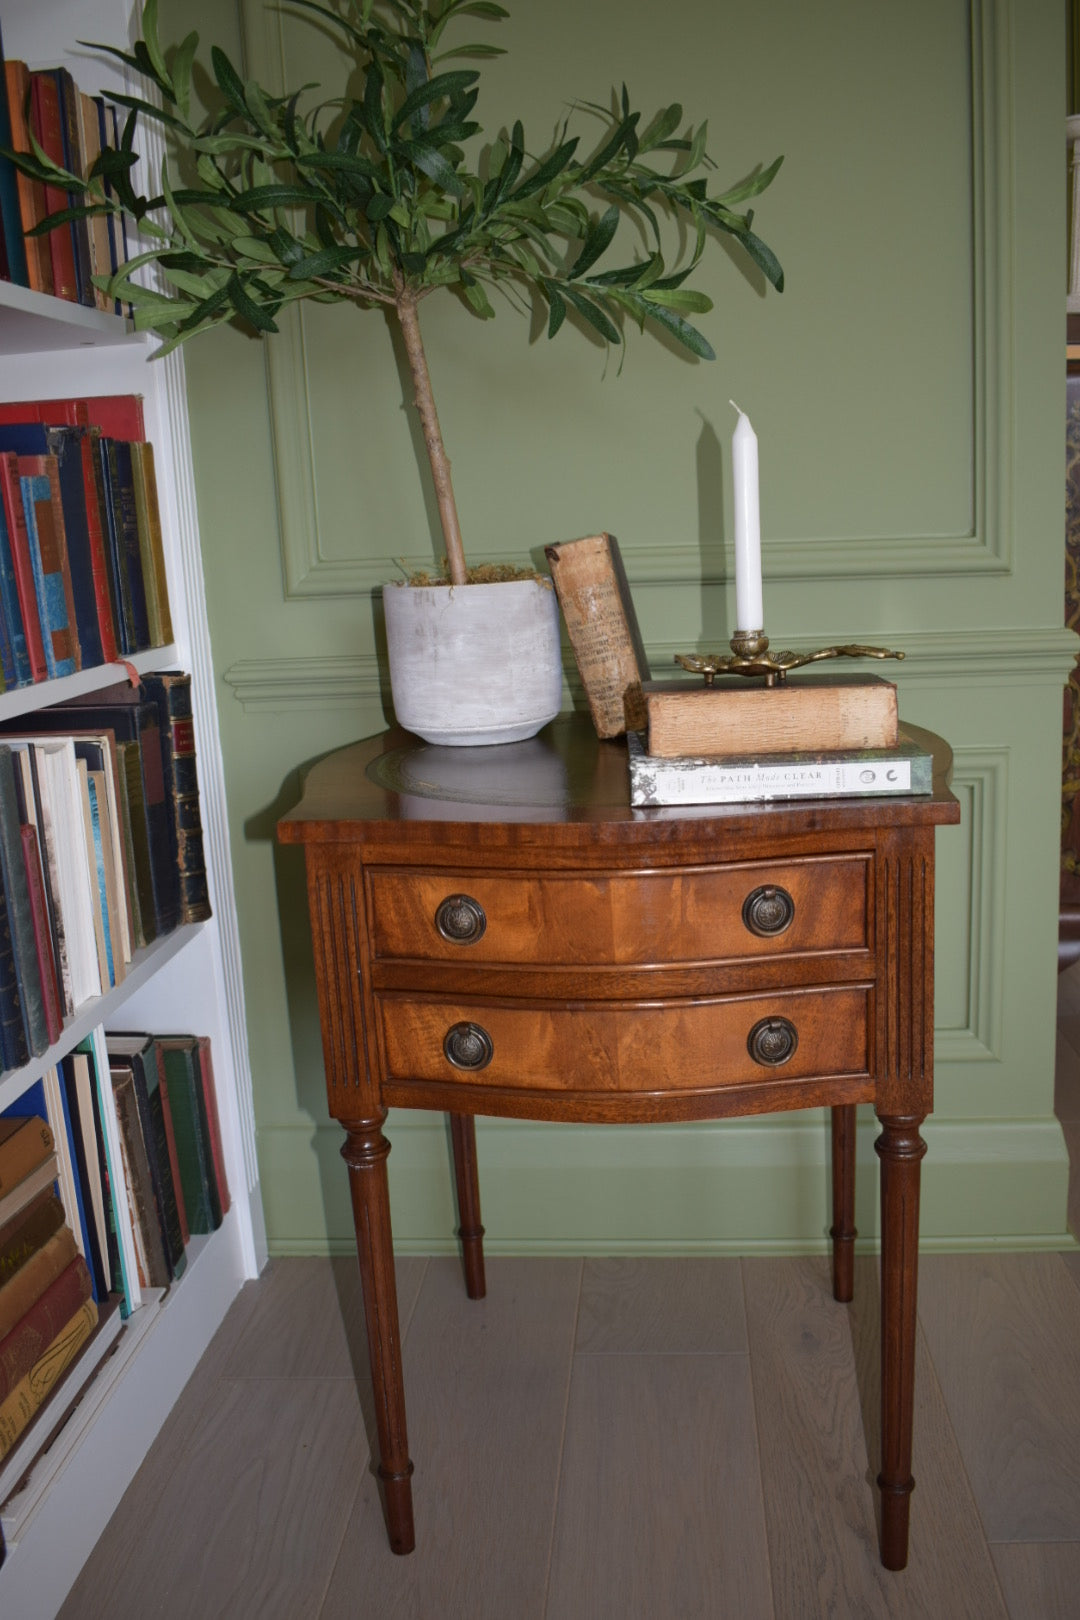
<point>750,656</point>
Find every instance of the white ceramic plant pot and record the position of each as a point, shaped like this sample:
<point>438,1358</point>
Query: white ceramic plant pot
<point>474,664</point>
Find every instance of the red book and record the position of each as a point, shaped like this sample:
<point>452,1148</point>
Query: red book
<point>15,513</point>
<point>209,1095</point>
<point>117,416</point>
<point>46,118</point>
<point>30,1338</point>
<point>50,985</point>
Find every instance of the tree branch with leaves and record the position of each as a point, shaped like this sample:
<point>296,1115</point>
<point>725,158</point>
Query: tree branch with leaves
<point>383,197</point>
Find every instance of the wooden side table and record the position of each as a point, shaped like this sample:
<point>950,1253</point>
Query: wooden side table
<point>496,931</point>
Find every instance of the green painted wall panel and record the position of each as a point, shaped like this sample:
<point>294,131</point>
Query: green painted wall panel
<point>907,390</point>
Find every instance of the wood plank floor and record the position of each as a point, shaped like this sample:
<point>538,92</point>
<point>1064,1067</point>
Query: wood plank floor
<point>654,1439</point>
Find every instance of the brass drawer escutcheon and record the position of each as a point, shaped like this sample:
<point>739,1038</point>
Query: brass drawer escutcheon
<point>460,919</point>
<point>772,1041</point>
<point>768,910</point>
<point>468,1046</point>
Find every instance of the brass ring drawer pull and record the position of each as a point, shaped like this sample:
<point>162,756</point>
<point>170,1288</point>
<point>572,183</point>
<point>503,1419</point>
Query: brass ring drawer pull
<point>768,910</point>
<point>468,1046</point>
<point>772,1041</point>
<point>460,919</point>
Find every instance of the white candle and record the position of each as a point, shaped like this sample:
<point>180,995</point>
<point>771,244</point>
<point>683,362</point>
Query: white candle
<point>749,613</point>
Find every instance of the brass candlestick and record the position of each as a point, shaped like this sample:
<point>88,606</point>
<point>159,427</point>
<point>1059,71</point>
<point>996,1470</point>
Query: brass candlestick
<point>750,655</point>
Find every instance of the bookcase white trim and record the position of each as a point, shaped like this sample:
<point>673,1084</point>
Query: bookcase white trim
<point>985,549</point>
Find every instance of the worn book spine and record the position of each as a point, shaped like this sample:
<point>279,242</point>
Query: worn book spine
<point>32,209</point>
<point>151,1112</point>
<point>132,790</point>
<point>141,1187</point>
<point>98,225</point>
<point>14,1046</point>
<point>863,773</point>
<point>22,561</point>
<point>31,1337</point>
<point>153,551</point>
<point>75,163</point>
<point>737,717</point>
<point>192,1147</point>
<point>99,563</point>
<point>171,691</point>
<point>31,1280</point>
<point>594,595</point>
<point>170,1142</point>
<point>17,895</point>
<point>10,211</point>
<point>46,554</point>
<point>28,1231</point>
<point>11,608</point>
<point>46,120</point>
<point>112,528</point>
<point>25,1142</point>
<point>33,1389</point>
<point>128,549</point>
<point>43,942</point>
<point>208,1092</point>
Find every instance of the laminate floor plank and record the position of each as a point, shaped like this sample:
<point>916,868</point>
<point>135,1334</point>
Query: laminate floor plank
<point>1003,1330</point>
<point>250,1522</point>
<point>1072,1265</point>
<point>693,1306</point>
<point>816,1383</point>
<point>660,1509</point>
<point>308,1319</point>
<point>1041,1580</point>
<point>486,1388</point>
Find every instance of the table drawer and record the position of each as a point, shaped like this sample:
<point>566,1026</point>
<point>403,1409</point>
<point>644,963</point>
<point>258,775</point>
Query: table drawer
<point>704,914</point>
<point>682,1045</point>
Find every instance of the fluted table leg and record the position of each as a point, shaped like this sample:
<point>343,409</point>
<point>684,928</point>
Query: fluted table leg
<point>365,1152</point>
<point>470,1230</point>
<point>843,1231</point>
<point>901,1150</point>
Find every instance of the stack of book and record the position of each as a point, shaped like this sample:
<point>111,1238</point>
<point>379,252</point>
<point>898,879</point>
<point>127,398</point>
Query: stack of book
<point>82,565</point>
<point>738,740</point>
<point>50,1303</point>
<point>71,128</point>
<point>100,849</point>
<point>123,1117</point>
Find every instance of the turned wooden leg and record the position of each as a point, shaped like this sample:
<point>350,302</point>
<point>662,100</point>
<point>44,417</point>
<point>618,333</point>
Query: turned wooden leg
<point>901,1149</point>
<point>365,1152</point>
<point>843,1231</point>
<point>470,1231</point>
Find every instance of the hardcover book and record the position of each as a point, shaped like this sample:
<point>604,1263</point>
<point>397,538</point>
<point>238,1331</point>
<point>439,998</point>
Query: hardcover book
<point>10,212</point>
<point>202,1201</point>
<point>31,1337</point>
<point>46,121</point>
<point>31,193</point>
<point>142,1197</point>
<point>591,585</point>
<point>136,1053</point>
<point>44,527</point>
<point>29,1230</point>
<point>25,1142</point>
<point>907,768</point>
<point>22,562</point>
<point>20,916</point>
<point>25,1191</point>
<point>736,717</point>
<point>34,1388</point>
<point>171,691</point>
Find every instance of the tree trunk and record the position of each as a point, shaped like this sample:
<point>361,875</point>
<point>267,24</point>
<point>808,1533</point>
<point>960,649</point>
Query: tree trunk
<point>425,405</point>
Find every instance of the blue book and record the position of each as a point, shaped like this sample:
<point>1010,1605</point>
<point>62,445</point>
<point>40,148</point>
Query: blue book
<point>10,212</point>
<point>65,443</point>
<point>48,578</point>
<point>99,869</point>
<point>11,623</point>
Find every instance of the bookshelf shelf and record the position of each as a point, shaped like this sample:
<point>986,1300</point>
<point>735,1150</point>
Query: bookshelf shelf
<point>145,964</point>
<point>190,979</point>
<point>25,699</point>
<point>32,321</point>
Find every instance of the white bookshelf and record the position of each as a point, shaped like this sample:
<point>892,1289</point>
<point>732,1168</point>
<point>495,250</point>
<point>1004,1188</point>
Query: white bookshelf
<point>189,980</point>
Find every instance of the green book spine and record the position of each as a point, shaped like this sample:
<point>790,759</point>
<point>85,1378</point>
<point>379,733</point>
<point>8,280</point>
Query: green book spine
<point>192,1149</point>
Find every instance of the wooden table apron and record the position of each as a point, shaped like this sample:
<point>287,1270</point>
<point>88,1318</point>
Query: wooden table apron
<point>496,931</point>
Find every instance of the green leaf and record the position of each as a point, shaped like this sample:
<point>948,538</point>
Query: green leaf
<point>687,335</point>
<point>323,263</point>
<point>681,298</point>
<point>379,207</point>
<point>229,81</point>
<point>183,60</point>
<point>763,257</point>
<point>375,105</point>
<point>556,307</point>
<point>597,239</point>
<point>257,248</point>
<point>610,150</point>
<point>549,170</point>
<point>592,313</point>
<point>442,86</point>
<point>257,198</point>
<point>478,300</point>
<point>148,110</point>
<point>471,50</point>
<point>663,124</point>
<point>246,307</point>
<point>753,187</point>
<point>436,167</point>
<point>148,30</point>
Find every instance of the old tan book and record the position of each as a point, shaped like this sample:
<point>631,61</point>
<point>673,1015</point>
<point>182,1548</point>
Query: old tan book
<point>736,718</point>
<point>591,585</point>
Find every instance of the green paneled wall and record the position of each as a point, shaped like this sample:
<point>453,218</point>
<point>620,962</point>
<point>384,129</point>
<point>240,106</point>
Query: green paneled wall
<point>907,391</point>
